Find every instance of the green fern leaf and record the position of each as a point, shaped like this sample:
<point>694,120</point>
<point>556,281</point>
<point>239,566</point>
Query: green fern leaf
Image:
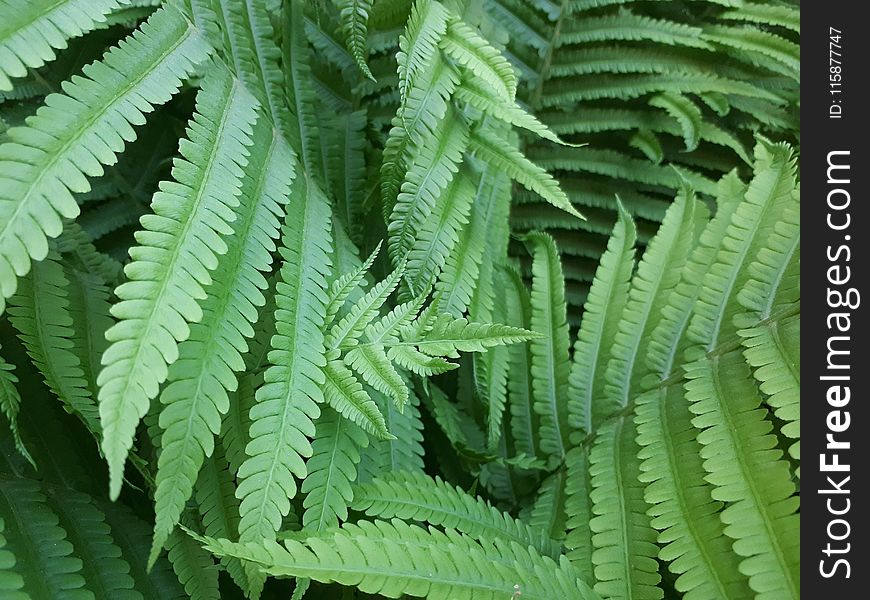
<point>197,395</point>
<point>343,391</point>
<point>10,405</point>
<point>281,419</point>
<point>160,298</point>
<point>77,132</point>
<point>381,558</point>
<point>518,167</point>
<point>624,542</point>
<point>40,312</point>
<point>603,306</point>
<point>354,17</point>
<point>550,366</point>
<point>414,496</point>
<point>331,470</point>
<point>32,31</point>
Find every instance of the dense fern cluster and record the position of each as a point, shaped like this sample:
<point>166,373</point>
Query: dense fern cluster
<point>444,298</point>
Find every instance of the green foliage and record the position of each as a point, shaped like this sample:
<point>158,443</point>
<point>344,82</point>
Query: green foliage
<point>292,290</point>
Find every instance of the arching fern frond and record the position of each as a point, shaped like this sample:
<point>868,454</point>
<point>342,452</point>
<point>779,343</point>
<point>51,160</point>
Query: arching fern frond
<point>381,557</point>
<point>32,31</point>
<point>179,246</point>
<point>75,133</point>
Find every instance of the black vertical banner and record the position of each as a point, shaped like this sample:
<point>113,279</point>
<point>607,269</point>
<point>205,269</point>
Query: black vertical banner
<point>835,170</point>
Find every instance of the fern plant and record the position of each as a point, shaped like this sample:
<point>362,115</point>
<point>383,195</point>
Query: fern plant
<point>291,299</point>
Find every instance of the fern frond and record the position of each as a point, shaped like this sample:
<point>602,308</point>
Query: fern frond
<point>354,17</point>
<point>32,31</point>
<point>624,543</point>
<point>687,114</point>
<point>461,273</point>
<point>419,43</point>
<point>374,366</point>
<point>473,52</point>
<point>196,398</point>
<point>343,391</point>
<point>382,558</point>
<point>432,170</point>
<point>282,418</point>
<point>405,452</point>
<point>550,360</point>
<point>40,312</point>
<point>219,508</point>
<point>44,556</point>
<point>511,161</point>
<point>658,272</point>
<point>628,26</point>
<point>578,507</point>
<point>603,307</point>
<point>414,496</point>
<point>680,503</point>
<point>193,566</point>
<point>746,470</point>
<point>75,133</point>
<point>106,572</point>
<point>331,471</point>
<point>439,233</point>
<point>10,405</point>
<point>178,246</point>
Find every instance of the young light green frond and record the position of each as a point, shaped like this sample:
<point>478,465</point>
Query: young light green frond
<point>354,20</point>
<point>602,311</point>
<point>414,496</point>
<point>768,195</point>
<point>509,112</point>
<point>383,558</point>
<point>417,119</point>
<point>40,311</point>
<point>511,161</point>
<point>448,335</point>
<point>44,556</point>
<point>624,543</point>
<point>33,30</point>
<point>10,405</point>
<point>657,273</point>
<point>197,396</point>
<point>347,332</point>
<point>331,471</point>
<point>746,470</point>
<point>347,284</point>
<point>550,361</point>
<point>439,233</point>
<point>282,418</point>
<point>432,170</point>
<point>179,245</point>
<point>371,362</point>
<point>419,43</point>
<point>75,133</point>
<point>459,278</point>
<point>681,506</point>
<point>343,391</point>
<point>473,52</point>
